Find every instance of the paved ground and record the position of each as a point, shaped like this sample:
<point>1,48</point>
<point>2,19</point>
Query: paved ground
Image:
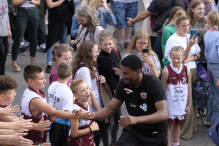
<point>200,138</point>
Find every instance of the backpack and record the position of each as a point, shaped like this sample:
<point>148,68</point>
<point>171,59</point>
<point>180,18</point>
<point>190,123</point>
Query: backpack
<point>201,88</point>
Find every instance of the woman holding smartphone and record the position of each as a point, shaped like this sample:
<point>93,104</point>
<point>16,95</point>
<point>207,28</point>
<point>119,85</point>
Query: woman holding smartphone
<point>182,39</point>
<point>199,23</point>
<point>141,47</point>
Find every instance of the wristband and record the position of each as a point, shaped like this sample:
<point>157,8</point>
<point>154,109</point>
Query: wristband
<point>38,144</point>
<point>132,22</point>
<point>90,130</point>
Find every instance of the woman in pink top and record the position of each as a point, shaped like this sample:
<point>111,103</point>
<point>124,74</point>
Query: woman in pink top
<point>60,53</point>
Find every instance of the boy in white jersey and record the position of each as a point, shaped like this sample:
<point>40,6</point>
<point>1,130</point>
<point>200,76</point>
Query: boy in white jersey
<point>81,132</point>
<point>61,98</point>
<point>34,105</point>
<point>176,79</point>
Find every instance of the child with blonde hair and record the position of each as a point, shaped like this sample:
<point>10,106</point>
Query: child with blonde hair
<point>176,79</point>
<point>141,40</point>
<point>108,64</point>
<point>211,40</point>
<point>81,131</point>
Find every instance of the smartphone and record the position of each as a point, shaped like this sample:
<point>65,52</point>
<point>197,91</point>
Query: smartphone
<point>145,51</point>
<point>193,33</point>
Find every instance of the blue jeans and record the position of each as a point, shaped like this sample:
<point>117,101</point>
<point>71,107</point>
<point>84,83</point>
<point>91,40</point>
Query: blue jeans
<point>62,40</point>
<point>115,126</point>
<point>158,49</point>
<point>213,102</point>
<point>122,11</point>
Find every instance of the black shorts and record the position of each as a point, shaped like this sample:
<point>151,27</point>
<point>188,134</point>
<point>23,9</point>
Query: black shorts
<point>58,135</point>
<point>130,139</point>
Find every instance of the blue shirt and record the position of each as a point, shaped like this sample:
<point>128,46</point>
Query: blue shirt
<point>211,40</point>
<point>105,17</point>
<point>153,6</point>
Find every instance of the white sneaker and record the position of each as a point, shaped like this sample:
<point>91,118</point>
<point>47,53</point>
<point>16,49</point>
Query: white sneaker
<point>207,123</point>
<point>22,43</point>
<point>43,47</point>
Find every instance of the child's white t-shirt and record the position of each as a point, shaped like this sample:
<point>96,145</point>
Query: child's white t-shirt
<point>60,96</point>
<point>176,40</point>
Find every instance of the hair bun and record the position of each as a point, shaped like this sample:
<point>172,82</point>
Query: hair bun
<point>216,27</point>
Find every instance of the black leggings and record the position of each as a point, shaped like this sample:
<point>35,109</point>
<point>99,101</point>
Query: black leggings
<point>3,53</point>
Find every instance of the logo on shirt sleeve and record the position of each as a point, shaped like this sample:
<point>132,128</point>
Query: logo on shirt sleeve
<point>143,95</point>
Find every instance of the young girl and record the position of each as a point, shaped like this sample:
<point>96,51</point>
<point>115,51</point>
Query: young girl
<point>182,39</point>
<point>108,64</point>
<point>211,40</point>
<point>140,40</point>
<point>176,79</point>
<point>60,53</point>
<point>170,29</point>
<point>85,67</point>
<point>81,132</point>
<point>199,22</point>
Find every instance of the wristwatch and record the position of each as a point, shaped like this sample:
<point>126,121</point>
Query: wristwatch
<point>132,22</point>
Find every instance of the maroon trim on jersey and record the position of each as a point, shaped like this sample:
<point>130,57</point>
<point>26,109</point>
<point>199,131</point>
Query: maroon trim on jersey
<point>3,106</point>
<point>37,137</point>
<point>40,94</point>
<point>80,105</point>
<point>174,78</point>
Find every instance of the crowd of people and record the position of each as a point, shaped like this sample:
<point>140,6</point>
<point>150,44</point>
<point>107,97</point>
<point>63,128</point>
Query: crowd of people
<point>154,77</point>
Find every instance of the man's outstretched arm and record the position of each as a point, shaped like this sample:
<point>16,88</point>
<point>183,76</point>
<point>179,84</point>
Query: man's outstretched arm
<point>109,110</point>
<point>160,115</point>
<point>143,15</point>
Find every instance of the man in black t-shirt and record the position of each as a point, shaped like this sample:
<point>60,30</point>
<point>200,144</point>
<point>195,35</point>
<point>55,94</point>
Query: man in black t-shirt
<point>145,101</point>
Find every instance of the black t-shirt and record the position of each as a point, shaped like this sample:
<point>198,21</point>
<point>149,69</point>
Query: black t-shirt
<point>141,102</point>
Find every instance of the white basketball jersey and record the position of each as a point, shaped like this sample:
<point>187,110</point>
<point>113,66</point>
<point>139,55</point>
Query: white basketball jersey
<point>86,140</point>
<point>29,94</point>
<point>177,90</point>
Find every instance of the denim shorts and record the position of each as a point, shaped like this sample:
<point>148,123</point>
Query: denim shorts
<point>122,11</point>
